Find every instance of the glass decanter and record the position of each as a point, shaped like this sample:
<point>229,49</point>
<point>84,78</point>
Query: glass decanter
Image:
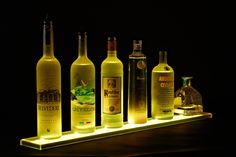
<point>188,101</point>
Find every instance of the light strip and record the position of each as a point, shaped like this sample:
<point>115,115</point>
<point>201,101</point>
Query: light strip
<point>69,137</point>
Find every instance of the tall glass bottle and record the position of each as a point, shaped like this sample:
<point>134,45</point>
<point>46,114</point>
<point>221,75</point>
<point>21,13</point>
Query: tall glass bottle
<point>111,88</point>
<point>137,85</point>
<point>48,76</point>
<point>162,89</point>
<point>82,90</point>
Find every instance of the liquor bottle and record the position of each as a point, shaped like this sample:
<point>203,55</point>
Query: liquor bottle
<point>188,100</point>
<point>162,89</point>
<point>111,88</point>
<point>137,85</point>
<point>82,90</point>
<point>48,76</point>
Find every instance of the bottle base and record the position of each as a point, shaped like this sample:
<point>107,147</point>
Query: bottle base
<point>189,110</point>
<point>83,131</point>
<point>112,121</point>
<point>163,117</point>
<point>137,122</point>
<point>45,137</point>
<point>112,125</point>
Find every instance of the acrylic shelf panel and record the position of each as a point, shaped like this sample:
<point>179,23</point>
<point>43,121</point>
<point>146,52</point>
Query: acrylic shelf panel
<point>69,137</point>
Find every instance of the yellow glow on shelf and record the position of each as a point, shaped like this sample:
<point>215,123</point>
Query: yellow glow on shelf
<point>69,137</point>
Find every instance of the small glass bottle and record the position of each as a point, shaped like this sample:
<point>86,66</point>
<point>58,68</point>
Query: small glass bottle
<point>48,76</point>
<point>111,88</point>
<point>137,85</point>
<point>82,90</point>
<point>188,101</point>
<point>162,89</point>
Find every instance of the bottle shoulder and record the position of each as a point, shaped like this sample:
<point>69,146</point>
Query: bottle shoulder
<point>140,54</point>
<point>48,60</point>
<point>163,67</point>
<point>48,64</point>
<point>112,66</point>
<point>189,94</point>
<point>112,60</point>
<point>83,61</point>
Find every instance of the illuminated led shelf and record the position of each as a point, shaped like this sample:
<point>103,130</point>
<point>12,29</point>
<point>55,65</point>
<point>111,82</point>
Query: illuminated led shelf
<point>69,137</point>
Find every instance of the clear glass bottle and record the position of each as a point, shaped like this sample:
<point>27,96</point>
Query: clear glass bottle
<point>137,85</point>
<point>112,88</point>
<point>162,89</point>
<point>48,78</point>
<point>82,90</point>
<point>188,101</point>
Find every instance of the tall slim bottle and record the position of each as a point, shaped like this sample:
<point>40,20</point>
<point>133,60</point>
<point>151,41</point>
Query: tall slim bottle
<point>162,89</point>
<point>112,88</point>
<point>82,90</point>
<point>48,76</point>
<point>137,85</point>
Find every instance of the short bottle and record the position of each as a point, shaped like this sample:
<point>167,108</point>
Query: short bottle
<point>111,87</point>
<point>82,90</point>
<point>137,85</point>
<point>48,78</point>
<point>162,89</point>
<point>188,100</point>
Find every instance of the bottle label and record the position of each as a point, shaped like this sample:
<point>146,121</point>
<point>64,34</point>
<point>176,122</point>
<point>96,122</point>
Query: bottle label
<point>163,92</point>
<point>48,110</point>
<point>82,114</point>
<point>83,106</point>
<point>48,100</point>
<point>137,85</point>
<point>112,95</point>
<point>141,64</point>
<point>48,95</point>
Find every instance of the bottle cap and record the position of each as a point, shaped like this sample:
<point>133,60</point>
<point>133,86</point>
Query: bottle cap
<point>111,44</point>
<point>137,44</point>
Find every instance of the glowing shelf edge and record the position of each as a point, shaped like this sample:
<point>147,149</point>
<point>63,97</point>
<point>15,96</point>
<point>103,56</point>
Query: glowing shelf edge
<point>69,137</point>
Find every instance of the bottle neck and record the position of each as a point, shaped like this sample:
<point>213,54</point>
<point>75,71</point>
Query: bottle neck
<point>111,47</point>
<point>137,46</point>
<point>48,43</point>
<point>163,57</point>
<point>82,45</point>
<point>187,81</point>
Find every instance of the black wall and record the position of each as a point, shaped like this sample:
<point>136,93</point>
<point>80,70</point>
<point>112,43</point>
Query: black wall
<point>196,36</point>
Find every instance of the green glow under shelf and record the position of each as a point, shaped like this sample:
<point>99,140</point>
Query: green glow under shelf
<point>69,137</point>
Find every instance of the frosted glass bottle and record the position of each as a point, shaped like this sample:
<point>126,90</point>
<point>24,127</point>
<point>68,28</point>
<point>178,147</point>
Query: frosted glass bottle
<point>162,89</point>
<point>137,85</point>
<point>112,88</point>
<point>188,101</point>
<point>48,78</point>
<point>82,90</point>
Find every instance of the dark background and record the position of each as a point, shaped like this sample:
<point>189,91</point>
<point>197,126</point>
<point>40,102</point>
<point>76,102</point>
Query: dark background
<point>199,38</point>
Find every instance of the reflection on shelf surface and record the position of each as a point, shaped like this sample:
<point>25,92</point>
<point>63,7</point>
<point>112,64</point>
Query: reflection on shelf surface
<point>69,137</point>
